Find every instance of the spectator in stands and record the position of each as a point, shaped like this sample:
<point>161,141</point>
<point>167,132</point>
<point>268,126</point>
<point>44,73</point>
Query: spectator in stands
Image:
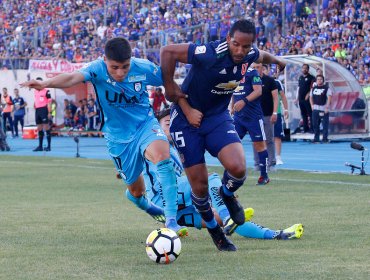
<point>157,99</point>
<point>92,115</point>
<point>320,97</point>
<point>19,111</point>
<point>8,107</point>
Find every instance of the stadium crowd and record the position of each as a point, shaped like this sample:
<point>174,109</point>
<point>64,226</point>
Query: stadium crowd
<point>337,30</point>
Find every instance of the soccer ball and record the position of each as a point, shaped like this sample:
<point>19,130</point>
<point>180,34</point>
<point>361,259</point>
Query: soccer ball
<point>163,246</point>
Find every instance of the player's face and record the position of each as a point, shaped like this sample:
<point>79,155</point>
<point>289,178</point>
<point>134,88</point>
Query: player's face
<point>118,70</point>
<point>240,45</point>
<point>165,125</point>
<point>319,81</point>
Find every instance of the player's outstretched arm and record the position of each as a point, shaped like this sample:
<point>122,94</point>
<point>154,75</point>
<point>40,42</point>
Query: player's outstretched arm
<point>267,58</point>
<point>169,56</point>
<point>65,80</point>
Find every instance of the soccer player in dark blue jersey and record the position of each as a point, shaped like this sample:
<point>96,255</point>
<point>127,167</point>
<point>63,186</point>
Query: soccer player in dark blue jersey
<point>248,117</point>
<point>202,121</point>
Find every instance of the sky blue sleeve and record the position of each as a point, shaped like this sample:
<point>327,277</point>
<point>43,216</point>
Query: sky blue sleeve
<point>153,73</point>
<point>91,71</point>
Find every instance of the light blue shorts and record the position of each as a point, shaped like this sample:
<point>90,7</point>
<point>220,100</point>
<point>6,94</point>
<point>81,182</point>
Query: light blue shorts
<point>129,157</point>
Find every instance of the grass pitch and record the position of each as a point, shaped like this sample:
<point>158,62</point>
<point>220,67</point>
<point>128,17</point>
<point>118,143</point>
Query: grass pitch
<point>68,219</point>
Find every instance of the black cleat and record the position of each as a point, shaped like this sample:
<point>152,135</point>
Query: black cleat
<point>38,149</point>
<point>235,209</point>
<point>221,241</point>
<point>47,149</point>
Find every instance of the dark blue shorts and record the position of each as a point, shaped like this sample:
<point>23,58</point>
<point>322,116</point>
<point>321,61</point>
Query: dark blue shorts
<point>192,142</point>
<point>278,127</point>
<point>254,127</point>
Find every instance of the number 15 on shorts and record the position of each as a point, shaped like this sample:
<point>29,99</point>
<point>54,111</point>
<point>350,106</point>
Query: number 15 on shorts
<point>178,139</point>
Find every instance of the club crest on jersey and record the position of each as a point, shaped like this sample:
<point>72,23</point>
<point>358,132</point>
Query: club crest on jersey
<point>137,86</point>
<point>200,49</point>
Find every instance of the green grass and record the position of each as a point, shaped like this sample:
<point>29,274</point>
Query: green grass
<point>68,219</point>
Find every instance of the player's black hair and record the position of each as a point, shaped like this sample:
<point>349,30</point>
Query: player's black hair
<point>163,113</point>
<point>118,49</point>
<point>322,76</point>
<point>243,25</point>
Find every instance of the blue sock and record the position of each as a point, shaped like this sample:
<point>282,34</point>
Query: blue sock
<point>168,189</point>
<point>204,208</point>
<point>143,203</point>
<point>252,230</point>
<point>214,184</point>
<point>263,157</point>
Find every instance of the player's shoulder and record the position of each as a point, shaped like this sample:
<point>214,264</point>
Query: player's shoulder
<point>252,72</point>
<point>142,69</point>
<point>140,62</point>
<point>216,49</point>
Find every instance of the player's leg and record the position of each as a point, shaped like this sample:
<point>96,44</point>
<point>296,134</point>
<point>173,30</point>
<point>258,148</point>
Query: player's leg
<point>224,143</point>
<point>47,128</point>
<point>258,137</point>
<point>325,127</point>
<point>155,147</point>
<point>16,121</point>
<point>40,131</point>
<point>278,135</point>
<point>269,132</point>
<point>316,125</point>
<point>190,144</point>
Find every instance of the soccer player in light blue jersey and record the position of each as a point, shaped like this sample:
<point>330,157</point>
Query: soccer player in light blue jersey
<point>130,128</point>
<point>187,213</point>
<point>202,121</point>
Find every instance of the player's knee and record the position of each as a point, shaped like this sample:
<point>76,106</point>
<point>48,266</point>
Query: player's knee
<point>237,170</point>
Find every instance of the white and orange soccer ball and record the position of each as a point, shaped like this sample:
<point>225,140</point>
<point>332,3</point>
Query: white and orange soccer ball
<point>163,246</point>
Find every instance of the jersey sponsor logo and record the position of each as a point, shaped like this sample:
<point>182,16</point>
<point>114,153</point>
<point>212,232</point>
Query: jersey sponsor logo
<point>228,88</point>
<point>256,79</point>
<point>231,131</point>
<point>137,86</point>
<point>238,89</point>
<point>158,132</point>
<point>223,71</point>
<point>200,50</point>
<point>318,91</point>
<point>137,78</point>
<point>118,98</point>
<point>109,81</point>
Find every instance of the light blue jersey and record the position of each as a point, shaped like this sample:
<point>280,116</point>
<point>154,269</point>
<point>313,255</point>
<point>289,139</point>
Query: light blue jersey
<point>124,106</point>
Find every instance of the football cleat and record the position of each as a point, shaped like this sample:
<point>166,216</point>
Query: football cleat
<point>38,149</point>
<point>230,226</point>
<point>293,232</point>
<point>221,241</point>
<point>262,181</point>
<point>181,231</point>
<point>47,149</point>
<point>236,211</point>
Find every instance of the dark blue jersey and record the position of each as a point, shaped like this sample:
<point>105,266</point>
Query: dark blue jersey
<point>252,110</point>
<point>214,76</point>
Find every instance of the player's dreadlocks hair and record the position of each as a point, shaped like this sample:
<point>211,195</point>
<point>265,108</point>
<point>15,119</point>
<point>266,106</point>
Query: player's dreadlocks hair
<point>243,25</point>
<point>118,49</point>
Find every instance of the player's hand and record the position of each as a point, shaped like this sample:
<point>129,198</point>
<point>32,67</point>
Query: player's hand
<point>286,115</point>
<point>281,65</point>
<point>194,117</point>
<point>239,105</point>
<point>173,92</point>
<point>273,118</point>
<point>39,85</point>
